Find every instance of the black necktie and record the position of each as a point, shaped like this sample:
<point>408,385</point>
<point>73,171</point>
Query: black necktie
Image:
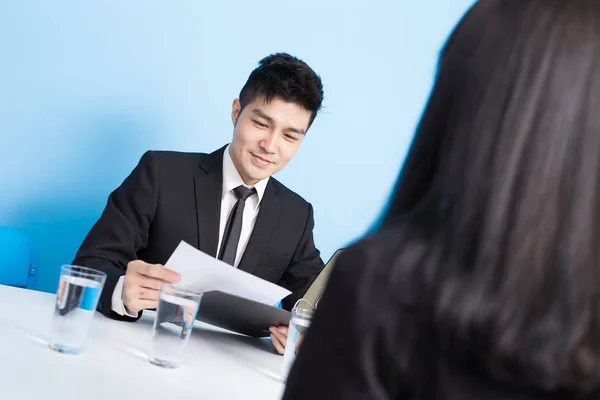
<point>233,229</point>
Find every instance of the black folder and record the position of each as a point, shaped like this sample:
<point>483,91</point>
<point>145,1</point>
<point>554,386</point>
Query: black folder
<point>239,314</point>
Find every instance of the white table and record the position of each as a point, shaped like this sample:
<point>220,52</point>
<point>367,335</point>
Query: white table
<point>113,365</point>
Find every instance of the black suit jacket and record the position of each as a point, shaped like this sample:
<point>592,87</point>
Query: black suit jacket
<point>173,196</point>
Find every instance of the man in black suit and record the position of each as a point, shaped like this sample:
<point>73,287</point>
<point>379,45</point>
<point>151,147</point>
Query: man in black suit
<point>225,203</point>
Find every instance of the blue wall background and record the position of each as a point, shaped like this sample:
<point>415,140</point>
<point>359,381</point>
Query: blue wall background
<point>87,87</point>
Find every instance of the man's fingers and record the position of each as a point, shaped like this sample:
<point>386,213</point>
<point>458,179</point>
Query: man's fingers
<point>170,276</point>
<point>278,338</point>
<point>142,284</point>
<point>139,268</point>
<point>147,282</point>
<point>279,333</point>
<point>283,329</point>
<point>135,305</point>
<point>159,272</point>
<point>148,294</point>
<point>134,281</point>
<point>147,304</point>
<point>278,345</point>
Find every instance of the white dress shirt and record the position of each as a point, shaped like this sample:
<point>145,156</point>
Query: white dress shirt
<point>231,180</point>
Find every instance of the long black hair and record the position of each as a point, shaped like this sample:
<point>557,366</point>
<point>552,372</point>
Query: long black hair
<point>501,190</point>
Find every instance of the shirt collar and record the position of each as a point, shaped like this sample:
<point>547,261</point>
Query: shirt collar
<point>232,178</point>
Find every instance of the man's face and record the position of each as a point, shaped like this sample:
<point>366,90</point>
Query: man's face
<point>266,136</point>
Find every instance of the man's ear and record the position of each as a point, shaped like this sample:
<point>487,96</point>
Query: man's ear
<point>236,108</point>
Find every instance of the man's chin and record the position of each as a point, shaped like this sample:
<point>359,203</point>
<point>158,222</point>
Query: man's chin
<point>260,178</point>
<point>257,173</point>
<point>255,176</point>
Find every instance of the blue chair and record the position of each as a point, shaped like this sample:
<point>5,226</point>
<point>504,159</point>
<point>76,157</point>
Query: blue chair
<point>18,259</point>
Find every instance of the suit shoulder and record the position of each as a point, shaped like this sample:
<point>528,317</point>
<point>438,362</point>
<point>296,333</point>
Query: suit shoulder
<point>174,158</point>
<point>288,194</point>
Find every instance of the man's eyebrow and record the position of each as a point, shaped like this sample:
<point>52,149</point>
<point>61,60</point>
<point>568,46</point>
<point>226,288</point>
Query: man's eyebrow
<point>295,130</point>
<point>259,113</point>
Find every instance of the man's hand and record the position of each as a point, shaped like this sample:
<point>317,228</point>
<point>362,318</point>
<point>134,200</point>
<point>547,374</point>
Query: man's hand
<point>279,337</point>
<point>141,285</point>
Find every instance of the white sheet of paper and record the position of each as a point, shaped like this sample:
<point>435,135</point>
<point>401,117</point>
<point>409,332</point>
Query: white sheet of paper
<point>205,273</point>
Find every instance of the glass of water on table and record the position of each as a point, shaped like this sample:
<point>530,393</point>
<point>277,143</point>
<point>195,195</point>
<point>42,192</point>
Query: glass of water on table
<point>299,324</point>
<point>77,297</point>
<point>175,316</point>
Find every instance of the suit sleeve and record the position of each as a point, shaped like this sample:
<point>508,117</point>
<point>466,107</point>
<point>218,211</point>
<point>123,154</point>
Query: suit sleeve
<point>122,229</point>
<point>305,266</point>
<point>357,346</point>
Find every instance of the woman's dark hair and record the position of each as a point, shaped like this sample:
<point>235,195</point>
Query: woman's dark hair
<point>501,192</point>
<point>285,77</point>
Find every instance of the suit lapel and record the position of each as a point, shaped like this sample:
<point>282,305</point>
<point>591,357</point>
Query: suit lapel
<point>208,187</point>
<point>263,229</point>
